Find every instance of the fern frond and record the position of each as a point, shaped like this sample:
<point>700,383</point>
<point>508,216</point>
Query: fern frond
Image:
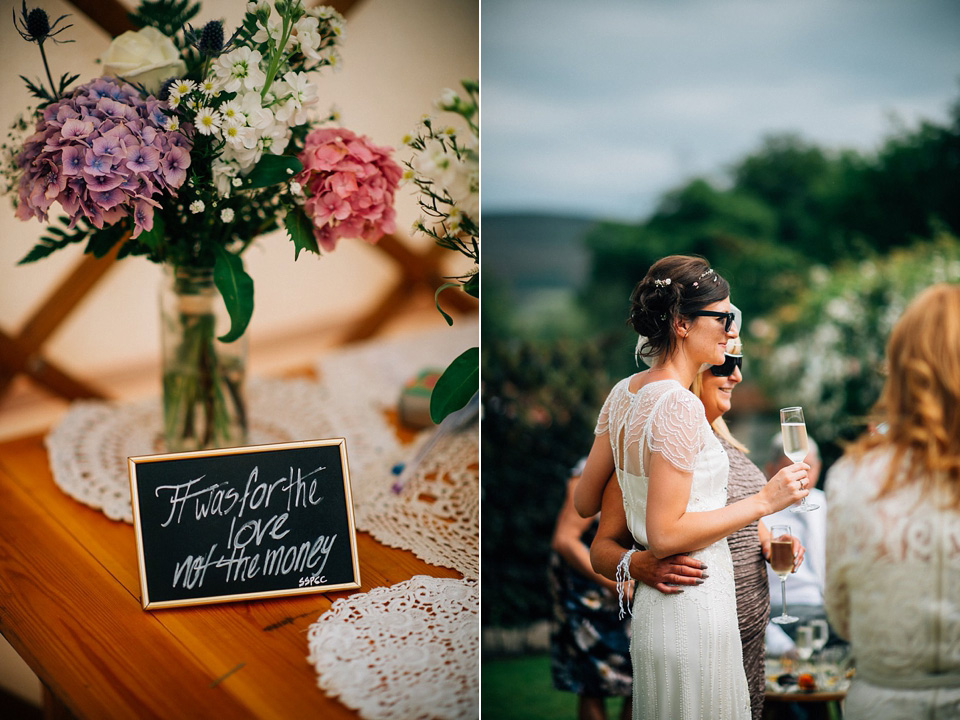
<point>55,239</point>
<point>38,91</point>
<point>65,81</point>
<point>168,16</point>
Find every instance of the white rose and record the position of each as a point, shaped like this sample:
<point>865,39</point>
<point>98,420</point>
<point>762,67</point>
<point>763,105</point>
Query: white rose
<point>146,56</point>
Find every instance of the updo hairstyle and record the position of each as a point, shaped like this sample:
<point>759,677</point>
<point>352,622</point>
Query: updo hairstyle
<point>673,287</point>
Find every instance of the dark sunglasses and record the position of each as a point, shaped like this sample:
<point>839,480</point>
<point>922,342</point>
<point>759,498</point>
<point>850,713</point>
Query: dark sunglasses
<point>728,317</point>
<point>726,370</point>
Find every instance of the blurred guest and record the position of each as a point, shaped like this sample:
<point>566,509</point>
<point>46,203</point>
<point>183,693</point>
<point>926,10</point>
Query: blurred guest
<point>589,643</point>
<point>893,527</point>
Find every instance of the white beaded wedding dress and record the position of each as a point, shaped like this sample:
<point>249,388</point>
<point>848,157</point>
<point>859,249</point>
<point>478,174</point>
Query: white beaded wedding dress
<point>685,647</point>
<point>893,590</point>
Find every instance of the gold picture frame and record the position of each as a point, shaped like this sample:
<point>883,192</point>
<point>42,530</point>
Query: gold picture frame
<point>182,503</point>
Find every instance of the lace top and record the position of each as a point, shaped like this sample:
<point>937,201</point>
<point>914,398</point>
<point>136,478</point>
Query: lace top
<point>665,418</point>
<point>893,589</point>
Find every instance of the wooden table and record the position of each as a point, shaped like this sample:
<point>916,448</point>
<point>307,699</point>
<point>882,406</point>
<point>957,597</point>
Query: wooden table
<point>70,606</point>
<point>825,705</point>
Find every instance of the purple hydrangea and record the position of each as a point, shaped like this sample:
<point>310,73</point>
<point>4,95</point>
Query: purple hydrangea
<point>103,153</point>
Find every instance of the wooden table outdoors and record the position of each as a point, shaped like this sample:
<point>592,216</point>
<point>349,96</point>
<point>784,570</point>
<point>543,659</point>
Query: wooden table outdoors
<point>817,705</point>
<point>70,606</point>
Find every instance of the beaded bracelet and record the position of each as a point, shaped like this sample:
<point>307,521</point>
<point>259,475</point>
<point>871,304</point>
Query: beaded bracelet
<point>623,577</point>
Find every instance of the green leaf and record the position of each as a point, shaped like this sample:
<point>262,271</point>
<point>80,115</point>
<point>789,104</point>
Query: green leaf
<point>300,231</point>
<point>152,237</point>
<point>65,81</point>
<point>55,239</point>
<point>102,241</point>
<point>168,16</point>
<point>271,169</point>
<point>436,300</point>
<point>236,287</point>
<point>456,386</point>
<point>472,286</point>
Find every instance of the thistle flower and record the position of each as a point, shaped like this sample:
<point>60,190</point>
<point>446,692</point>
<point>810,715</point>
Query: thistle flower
<point>211,38</point>
<point>34,26</point>
<point>210,41</point>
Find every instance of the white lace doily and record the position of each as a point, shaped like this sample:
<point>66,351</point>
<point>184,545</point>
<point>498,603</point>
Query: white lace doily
<point>89,447</point>
<point>436,515</point>
<point>437,512</point>
<point>405,652</point>
<point>361,383</point>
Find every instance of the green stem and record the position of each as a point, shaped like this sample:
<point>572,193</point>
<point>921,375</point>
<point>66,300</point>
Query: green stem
<point>43,54</point>
<point>277,54</point>
<point>203,402</point>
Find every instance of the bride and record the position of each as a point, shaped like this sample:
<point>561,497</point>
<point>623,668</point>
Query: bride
<point>673,473</point>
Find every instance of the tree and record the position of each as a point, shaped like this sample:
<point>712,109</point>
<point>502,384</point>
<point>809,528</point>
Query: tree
<point>541,402</point>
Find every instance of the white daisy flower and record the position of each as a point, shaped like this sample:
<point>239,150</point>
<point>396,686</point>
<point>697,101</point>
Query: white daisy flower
<point>209,87</point>
<point>182,87</point>
<point>231,112</point>
<point>207,121</point>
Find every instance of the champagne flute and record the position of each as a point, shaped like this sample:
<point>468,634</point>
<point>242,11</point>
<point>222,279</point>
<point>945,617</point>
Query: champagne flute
<point>781,560</point>
<point>795,445</point>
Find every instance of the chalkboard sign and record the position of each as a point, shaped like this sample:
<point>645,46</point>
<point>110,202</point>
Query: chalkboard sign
<point>243,523</point>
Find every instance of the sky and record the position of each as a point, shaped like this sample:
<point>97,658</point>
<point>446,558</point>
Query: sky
<point>598,108</point>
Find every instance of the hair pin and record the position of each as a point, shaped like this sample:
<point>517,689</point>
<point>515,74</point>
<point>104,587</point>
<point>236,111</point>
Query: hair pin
<point>661,283</point>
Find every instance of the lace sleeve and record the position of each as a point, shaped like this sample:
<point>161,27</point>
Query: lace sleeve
<point>676,429</point>
<point>836,592</point>
<point>603,422</point>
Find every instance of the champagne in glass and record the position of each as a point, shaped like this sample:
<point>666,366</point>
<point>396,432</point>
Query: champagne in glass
<point>781,560</point>
<point>805,642</point>
<point>795,445</point>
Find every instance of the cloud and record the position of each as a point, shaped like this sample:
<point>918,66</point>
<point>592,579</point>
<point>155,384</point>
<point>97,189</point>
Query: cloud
<point>609,105</point>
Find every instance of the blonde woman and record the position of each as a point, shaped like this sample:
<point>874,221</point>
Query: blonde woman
<point>893,526</point>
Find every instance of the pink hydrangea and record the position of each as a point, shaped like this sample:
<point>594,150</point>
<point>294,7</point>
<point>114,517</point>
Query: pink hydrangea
<point>350,184</point>
<point>103,153</point>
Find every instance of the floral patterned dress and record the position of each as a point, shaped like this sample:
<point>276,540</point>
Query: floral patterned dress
<point>589,644</point>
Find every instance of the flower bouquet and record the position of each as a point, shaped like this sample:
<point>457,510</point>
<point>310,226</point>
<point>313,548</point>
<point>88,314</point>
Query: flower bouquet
<point>446,171</point>
<point>190,146</point>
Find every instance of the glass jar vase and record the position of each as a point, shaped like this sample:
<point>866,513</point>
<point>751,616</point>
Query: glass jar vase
<point>204,405</point>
